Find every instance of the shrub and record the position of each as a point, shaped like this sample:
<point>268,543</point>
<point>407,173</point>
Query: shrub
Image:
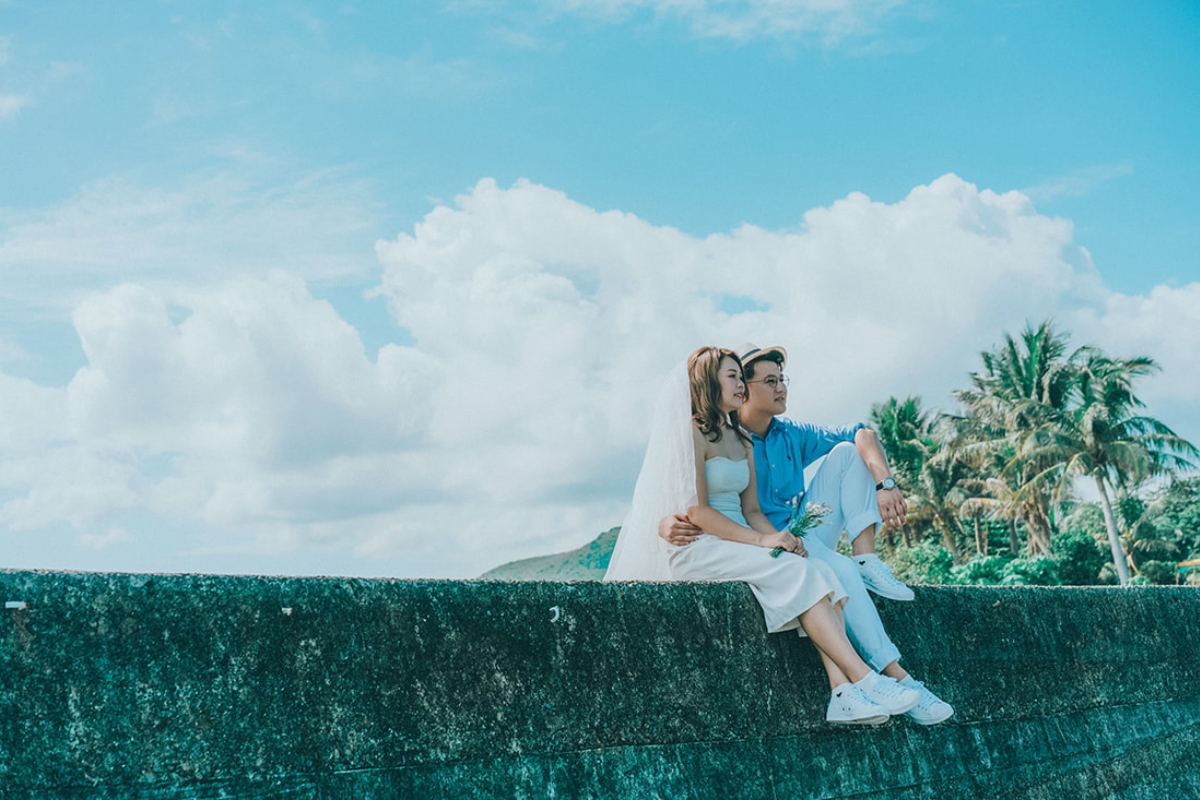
<point>1033,571</point>
<point>1081,558</point>
<point>982,571</point>
<point>927,562</point>
<point>1160,572</point>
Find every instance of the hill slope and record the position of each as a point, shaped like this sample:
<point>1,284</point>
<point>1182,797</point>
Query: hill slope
<point>586,563</point>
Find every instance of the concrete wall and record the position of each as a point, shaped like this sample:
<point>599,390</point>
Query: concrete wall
<point>139,686</point>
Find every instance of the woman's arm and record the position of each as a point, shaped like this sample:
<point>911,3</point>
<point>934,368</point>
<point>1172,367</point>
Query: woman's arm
<point>757,520</point>
<point>714,522</point>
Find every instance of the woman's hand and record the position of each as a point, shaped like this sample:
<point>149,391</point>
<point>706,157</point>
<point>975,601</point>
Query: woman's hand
<point>791,544</point>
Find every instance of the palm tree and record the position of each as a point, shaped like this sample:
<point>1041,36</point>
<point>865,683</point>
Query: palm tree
<point>906,435</point>
<point>1026,382</point>
<point>1099,434</point>
<point>914,441</point>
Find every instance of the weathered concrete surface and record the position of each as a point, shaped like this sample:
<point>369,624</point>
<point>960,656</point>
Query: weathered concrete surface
<point>138,686</point>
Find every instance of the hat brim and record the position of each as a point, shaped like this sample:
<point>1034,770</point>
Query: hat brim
<point>749,354</point>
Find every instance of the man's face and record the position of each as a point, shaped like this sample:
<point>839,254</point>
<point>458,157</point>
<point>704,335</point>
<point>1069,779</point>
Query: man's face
<point>767,391</point>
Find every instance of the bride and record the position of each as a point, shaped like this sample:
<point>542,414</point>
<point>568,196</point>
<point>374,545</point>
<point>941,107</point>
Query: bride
<point>700,462</point>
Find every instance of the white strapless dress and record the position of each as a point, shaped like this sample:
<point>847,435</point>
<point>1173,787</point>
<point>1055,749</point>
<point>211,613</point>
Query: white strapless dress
<point>786,586</point>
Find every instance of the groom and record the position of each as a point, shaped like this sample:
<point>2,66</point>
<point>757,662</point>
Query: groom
<point>854,481</point>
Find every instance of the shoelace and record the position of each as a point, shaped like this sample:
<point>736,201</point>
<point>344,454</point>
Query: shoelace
<point>928,698</point>
<point>880,566</point>
<point>889,689</point>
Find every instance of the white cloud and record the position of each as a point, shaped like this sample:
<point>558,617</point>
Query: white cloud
<point>515,423</point>
<point>101,541</point>
<point>210,227</point>
<point>11,351</point>
<point>373,75</point>
<point>10,104</point>
<point>1165,325</point>
<point>1078,183</point>
<point>742,20</point>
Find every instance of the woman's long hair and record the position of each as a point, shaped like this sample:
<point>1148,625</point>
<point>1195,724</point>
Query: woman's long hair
<point>704,369</point>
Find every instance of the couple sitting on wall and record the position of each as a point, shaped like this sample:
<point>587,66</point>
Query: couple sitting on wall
<point>722,479</point>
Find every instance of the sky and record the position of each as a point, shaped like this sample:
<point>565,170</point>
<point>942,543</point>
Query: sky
<point>387,289</point>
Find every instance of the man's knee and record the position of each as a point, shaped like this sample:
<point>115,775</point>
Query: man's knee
<point>845,452</point>
<point>845,569</point>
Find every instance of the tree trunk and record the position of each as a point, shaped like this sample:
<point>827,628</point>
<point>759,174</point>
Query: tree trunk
<point>1114,539</point>
<point>948,539</point>
<point>980,546</point>
<point>1038,526</point>
<point>1014,543</point>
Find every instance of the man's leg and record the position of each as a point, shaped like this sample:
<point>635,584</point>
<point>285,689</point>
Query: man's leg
<point>865,631</point>
<point>863,625</point>
<point>844,483</point>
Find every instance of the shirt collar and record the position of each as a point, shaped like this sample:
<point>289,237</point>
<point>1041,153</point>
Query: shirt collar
<point>773,425</point>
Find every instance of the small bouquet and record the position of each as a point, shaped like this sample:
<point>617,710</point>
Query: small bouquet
<point>804,520</point>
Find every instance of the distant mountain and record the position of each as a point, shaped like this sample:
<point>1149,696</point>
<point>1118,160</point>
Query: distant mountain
<point>587,563</point>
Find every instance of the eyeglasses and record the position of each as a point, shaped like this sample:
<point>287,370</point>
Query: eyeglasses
<point>773,382</point>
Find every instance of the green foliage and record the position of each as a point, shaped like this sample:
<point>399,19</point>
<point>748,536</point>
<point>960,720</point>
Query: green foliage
<point>1174,511</point>
<point>1159,572</point>
<point>1129,508</point>
<point>1033,571</point>
<point>586,563</point>
<point>982,571</point>
<point>1082,553</point>
<point>927,562</point>
<point>1036,417</point>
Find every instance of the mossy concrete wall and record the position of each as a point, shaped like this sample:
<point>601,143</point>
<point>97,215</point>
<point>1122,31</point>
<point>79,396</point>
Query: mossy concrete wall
<point>140,686</point>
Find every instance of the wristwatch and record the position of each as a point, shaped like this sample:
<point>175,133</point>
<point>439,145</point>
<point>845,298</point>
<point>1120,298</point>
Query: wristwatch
<point>887,483</point>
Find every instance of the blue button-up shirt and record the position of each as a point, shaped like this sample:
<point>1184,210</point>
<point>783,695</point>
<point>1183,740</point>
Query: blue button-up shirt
<point>780,458</point>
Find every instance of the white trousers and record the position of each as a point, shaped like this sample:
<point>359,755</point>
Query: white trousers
<point>844,483</point>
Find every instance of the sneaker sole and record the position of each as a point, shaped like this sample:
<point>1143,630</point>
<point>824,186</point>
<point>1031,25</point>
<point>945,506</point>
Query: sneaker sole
<point>930,720</point>
<point>891,595</point>
<point>871,721</point>
<point>900,709</point>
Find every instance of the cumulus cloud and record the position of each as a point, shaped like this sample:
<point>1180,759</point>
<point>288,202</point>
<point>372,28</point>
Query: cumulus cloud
<point>513,424</point>
<point>540,278</point>
<point>1165,325</point>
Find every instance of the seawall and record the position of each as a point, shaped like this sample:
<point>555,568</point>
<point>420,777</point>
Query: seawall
<point>191,686</point>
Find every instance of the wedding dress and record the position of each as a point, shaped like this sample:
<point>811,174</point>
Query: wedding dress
<point>785,586</point>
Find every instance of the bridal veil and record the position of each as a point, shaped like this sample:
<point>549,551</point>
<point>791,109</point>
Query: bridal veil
<point>666,485</point>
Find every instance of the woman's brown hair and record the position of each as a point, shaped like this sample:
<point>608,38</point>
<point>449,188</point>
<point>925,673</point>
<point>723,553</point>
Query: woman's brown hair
<point>704,369</point>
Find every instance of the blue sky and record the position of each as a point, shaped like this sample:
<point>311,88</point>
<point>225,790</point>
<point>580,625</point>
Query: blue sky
<point>191,167</point>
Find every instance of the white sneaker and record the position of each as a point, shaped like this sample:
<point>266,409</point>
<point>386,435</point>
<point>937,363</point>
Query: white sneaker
<point>931,709</point>
<point>849,706</point>
<point>884,691</point>
<point>877,576</point>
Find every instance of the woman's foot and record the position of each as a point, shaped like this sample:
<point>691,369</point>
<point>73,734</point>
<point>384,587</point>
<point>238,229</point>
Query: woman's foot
<point>849,706</point>
<point>884,691</point>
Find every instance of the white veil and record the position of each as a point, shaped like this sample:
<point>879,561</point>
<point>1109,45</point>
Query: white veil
<point>666,485</point>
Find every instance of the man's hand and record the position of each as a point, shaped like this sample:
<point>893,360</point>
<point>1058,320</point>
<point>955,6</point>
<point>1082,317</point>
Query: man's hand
<point>892,507</point>
<point>678,530</point>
